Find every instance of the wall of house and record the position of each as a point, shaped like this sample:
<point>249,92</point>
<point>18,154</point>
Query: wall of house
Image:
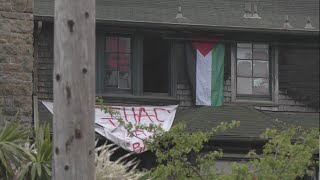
<point>16,59</point>
<point>298,75</point>
<point>43,64</point>
<point>43,38</point>
<point>298,79</point>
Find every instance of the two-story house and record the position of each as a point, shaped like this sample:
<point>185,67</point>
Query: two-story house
<point>145,56</point>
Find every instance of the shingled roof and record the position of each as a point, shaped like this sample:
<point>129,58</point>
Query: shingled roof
<point>252,122</point>
<point>203,13</point>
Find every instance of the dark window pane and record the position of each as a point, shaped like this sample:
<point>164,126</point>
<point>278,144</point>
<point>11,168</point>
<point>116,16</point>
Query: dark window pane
<point>125,80</point>
<point>112,61</point>
<point>261,86</point>
<point>117,62</point>
<point>261,46</point>
<point>124,45</point>
<point>111,44</point>
<point>261,69</point>
<point>244,53</point>
<point>244,68</point>
<point>244,45</point>
<point>111,79</point>
<point>244,85</point>
<point>124,62</point>
<point>261,53</point>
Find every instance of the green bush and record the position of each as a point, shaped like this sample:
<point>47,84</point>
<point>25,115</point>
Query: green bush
<point>12,154</point>
<point>34,162</point>
<point>288,154</point>
<point>38,164</point>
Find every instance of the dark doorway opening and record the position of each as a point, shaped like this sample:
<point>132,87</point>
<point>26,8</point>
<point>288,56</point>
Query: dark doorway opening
<point>155,65</point>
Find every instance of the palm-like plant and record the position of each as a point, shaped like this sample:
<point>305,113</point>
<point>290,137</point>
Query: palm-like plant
<point>35,162</point>
<point>39,156</point>
<point>107,169</point>
<point>12,135</point>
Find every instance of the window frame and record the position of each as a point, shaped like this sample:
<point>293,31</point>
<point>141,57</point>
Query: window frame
<point>118,53</point>
<point>136,64</point>
<point>273,75</point>
<point>101,64</point>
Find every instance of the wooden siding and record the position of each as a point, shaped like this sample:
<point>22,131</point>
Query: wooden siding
<point>298,72</point>
<point>43,65</point>
<point>299,76</point>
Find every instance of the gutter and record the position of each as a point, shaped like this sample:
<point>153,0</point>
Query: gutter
<point>200,27</point>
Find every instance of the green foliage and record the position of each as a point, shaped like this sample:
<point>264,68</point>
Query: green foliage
<point>39,156</point>
<point>12,135</point>
<point>179,154</point>
<point>18,161</point>
<point>288,154</point>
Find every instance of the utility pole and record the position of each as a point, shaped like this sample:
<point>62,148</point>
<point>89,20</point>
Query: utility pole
<point>74,90</point>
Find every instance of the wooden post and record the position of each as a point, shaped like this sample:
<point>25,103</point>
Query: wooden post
<point>74,90</point>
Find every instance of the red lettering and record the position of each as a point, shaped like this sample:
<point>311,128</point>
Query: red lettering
<point>156,114</point>
<point>138,132</point>
<point>115,108</point>
<point>134,115</point>
<point>125,114</point>
<point>110,120</point>
<point>142,149</point>
<point>146,114</point>
<point>135,146</point>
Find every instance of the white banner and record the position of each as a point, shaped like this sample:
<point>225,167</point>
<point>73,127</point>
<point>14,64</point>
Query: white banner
<point>109,127</point>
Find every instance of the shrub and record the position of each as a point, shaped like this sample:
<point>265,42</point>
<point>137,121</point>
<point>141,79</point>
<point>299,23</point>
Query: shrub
<point>12,135</point>
<point>38,164</point>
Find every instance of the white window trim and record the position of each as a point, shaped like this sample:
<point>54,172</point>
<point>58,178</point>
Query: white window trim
<point>274,75</point>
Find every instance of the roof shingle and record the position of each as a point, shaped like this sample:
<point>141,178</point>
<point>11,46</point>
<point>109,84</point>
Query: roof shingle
<point>226,13</point>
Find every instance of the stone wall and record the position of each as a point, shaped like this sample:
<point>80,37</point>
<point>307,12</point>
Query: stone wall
<point>16,59</point>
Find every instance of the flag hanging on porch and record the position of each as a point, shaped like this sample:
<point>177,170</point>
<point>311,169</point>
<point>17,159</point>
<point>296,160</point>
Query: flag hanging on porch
<point>209,73</point>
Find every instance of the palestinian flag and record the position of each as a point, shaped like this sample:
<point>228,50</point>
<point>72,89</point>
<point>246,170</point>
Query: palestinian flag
<point>209,73</point>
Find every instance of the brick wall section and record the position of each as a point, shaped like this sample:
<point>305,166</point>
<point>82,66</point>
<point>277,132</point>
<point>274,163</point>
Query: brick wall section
<point>16,59</point>
<point>44,62</point>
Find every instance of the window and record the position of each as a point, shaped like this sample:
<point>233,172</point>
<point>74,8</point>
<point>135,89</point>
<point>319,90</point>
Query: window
<point>134,64</point>
<point>155,65</point>
<point>117,56</point>
<point>253,70</point>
